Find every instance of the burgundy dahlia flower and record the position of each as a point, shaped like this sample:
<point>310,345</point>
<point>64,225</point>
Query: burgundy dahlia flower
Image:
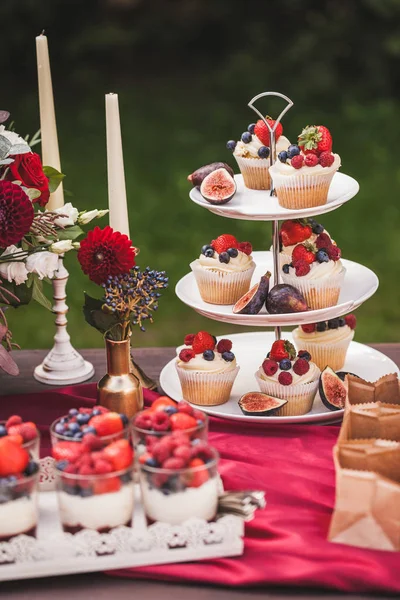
<point>16,214</point>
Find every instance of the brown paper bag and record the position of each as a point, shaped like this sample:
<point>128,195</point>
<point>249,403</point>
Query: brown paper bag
<point>386,390</point>
<point>373,420</point>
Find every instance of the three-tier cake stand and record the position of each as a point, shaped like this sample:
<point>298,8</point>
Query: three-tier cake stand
<point>250,349</point>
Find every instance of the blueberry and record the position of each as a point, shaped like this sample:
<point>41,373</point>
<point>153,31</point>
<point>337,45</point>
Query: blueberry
<point>78,435</point>
<point>31,468</point>
<point>322,256</point>
<point>208,355</point>
<point>232,252</point>
<point>59,428</point>
<point>151,462</point>
<point>64,420</point>
<point>317,228</point>
<point>74,427</point>
<point>286,268</point>
<point>96,412</point>
<point>13,479</point>
<point>224,257</point>
<point>283,156</point>
<point>342,322</point>
<point>251,127</point>
<point>3,430</point>
<point>209,252</point>
<point>82,419</point>
<point>263,152</point>
<point>85,492</point>
<point>246,137</point>
<point>88,429</point>
<point>304,354</point>
<point>285,364</point>
<point>205,248</point>
<point>231,145</point>
<point>126,477</point>
<point>228,356</point>
<point>170,410</point>
<point>321,326</point>
<point>333,323</point>
<point>200,423</point>
<point>73,412</point>
<point>68,434</point>
<point>62,464</point>
<point>124,419</point>
<point>293,150</point>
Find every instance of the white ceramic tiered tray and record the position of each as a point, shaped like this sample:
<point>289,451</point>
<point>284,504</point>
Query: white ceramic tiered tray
<point>250,350</point>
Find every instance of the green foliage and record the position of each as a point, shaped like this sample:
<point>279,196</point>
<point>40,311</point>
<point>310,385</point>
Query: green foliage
<point>54,177</point>
<point>23,292</point>
<point>106,323</point>
<point>70,233</point>
<point>38,295</point>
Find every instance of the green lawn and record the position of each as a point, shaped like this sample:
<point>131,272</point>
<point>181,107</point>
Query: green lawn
<point>171,128</point>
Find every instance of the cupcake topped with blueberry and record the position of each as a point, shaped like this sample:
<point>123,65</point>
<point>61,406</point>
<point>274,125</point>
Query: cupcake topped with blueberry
<point>298,231</point>
<point>252,153</point>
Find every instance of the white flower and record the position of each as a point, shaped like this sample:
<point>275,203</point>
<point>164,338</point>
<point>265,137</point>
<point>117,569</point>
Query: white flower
<point>14,139</point>
<point>88,215</point>
<point>13,271</point>
<point>61,246</point>
<point>44,264</point>
<point>71,215</point>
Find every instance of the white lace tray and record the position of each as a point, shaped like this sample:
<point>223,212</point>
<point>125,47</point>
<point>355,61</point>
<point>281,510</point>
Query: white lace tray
<point>56,553</point>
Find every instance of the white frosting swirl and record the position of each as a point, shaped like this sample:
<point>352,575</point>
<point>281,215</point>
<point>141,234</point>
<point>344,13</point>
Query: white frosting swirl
<point>240,263</point>
<point>280,168</point>
<point>329,336</point>
<point>311,375</point>
<point>199,363</point>
<point>319,270</point>
<point>251,149</point>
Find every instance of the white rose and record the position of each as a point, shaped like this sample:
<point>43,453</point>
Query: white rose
<point>61,246</point>
<point>88,215</point>
<point>13,271</point>
<point>71,215</point>
<point>44,264</point>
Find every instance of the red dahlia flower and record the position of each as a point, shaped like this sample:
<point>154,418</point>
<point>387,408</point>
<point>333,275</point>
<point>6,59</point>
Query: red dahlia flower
<point>16,214</point>
<point>105,252</point>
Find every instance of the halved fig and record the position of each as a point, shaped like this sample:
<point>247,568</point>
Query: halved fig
<point>258,404</point>
<point>332,390</point>
<point>218,187</point>
<point>196,178</point>
<point>252,302</point>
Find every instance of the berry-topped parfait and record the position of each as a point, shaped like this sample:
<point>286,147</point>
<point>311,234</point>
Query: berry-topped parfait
<point>206,368</point>
<point>19,476</point>
<point>165,416</point>
<point>291,376</point>
<point>252,153</point>
<point>327,341</point>
<point>304,171</point>
<point>224,270</point>
<point>179,480</point>
<point>316,270</point>
<point>23,432</point>
<point>95,488</point>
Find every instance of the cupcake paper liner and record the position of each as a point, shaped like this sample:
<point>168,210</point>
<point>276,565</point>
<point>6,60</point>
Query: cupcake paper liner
<point>206,389</point>
<point>325,354</point>
<point>319,293</point>
<point>255,172</point>
<point>222,287</point>
<point>302,191</point>
<point>300,397</point>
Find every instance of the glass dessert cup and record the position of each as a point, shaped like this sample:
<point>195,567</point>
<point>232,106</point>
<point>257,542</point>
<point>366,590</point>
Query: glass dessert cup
<point>124,434</point>
<point>18,506</point>
<point>32,446</point>
<point>99,502</point>
<point>175,495</point>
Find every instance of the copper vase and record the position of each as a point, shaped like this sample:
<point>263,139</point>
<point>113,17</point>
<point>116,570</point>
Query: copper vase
<point>120,390</point>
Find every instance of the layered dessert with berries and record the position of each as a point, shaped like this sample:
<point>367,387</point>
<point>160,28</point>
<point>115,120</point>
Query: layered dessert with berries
<point>207,369</point>
<point>165,416</point>
<point>80,422</point>
<point>19,477</point>
<point>304,171</point>
<point>252,153</point>
<point>179,480</point>
<point>316,270</point>
<point>24,433</point>
<point>291,376</point>
<point>95,488</point>
<point>327,341</point>
<point>224,270</point>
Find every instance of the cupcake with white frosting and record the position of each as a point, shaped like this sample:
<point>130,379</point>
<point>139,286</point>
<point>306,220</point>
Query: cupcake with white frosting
<point>316,270</point>
<point>289,376</point>
<point>207,369</point>
<point>224,270</point>
<point>304,171</point>
<point>252,153</point>
<point>327,341</point>
<point>297,231</point>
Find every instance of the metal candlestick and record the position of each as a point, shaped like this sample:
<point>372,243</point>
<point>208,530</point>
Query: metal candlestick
<point>275,223</point>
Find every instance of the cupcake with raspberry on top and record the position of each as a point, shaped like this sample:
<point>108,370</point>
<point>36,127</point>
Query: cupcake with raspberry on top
<point>297,231</point>
<point>207,369</point>
<point>327,341</point>
<point>289,376</point>
<point>224,270</point>
<point>304,171</point>
<point>316,270</point>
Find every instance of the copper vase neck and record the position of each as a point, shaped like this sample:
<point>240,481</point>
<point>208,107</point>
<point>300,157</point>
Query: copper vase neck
<point>118,357</point>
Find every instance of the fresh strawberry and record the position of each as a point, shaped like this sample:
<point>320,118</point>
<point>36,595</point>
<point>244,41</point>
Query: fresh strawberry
<point>186,354</point>
<point>315,139</point>
<point>120,454</point>
<point>262,131</point>
<point>17,438</point>
<point>162,402</point>
<point>303,252</point>
<point>269,366</point>
<point>297,161</point>
<point>223,242</point>
<point>173,463</point>
<point>309,328</point>
<point>102,466</point>
<point>13,420</point>
<point>198,477</point>
<point>160,421</point>
<point>107,424</point>
<point>323,241</point>
<point>282,349</point>
<point>13,458</point>
<point>351,321</point>
<point>285,378</point>
<point>188,341</point>
<point>203,341</point>
<point>28,431</point>
<point>311,160</point>
<point>294,232</point>
<point>326,159</point>
<point>301,268</point>
<point>246,248</point>
<point>15,429</point>
<point>69,451</point>
<point>224,346</point>
<point>334,252</point>
<point>182,421</point>
<point>106,485</point>
<point>301,366</point>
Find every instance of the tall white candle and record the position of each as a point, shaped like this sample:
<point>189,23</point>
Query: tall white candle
<point>115,168</point>
<point>50,152</point>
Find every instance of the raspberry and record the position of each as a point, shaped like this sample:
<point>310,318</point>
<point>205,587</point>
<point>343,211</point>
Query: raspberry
<point>246,247</point>
<point>151,441</point>
<point>198,415</point>
<point>91,442</point>
<point>183,452</point>
<point>334,252</point>
<point>323,241</point>
<point>28,431</point>
<point>301,268</point>
<point>351,321</point>
<point>86,470</point>
<point>285,378</point>
<point>160,421</point>
<point>13,420</point>
<point>297,161</point>
<point>223,242</point>
<point>301,366</point>
<point>102,466</point>
<point>70,469</point>
<point>188,341</point>
<point>309,328</point>
<point>326,159</point>
<point>144,421</point>
<point>173,463</point>
<point>269,367</point>
<point>180,437</point>
<point>224,346</point>
<point>203,341</point>
<point>301,252</point>
<point>185,407</point>
<point>161,452</point>
<point>186,354</point>
<point>311,160</point>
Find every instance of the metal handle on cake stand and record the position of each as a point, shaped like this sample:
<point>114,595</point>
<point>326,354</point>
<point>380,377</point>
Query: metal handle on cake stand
<point>275,223</point>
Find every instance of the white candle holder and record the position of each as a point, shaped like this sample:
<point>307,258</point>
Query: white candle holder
<point>63,365</point>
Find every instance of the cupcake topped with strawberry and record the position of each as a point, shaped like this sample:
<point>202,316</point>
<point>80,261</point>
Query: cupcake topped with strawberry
<point>314,149</point>
<point>297,231</point>
<point>226,253</point>
<point>314,258</point>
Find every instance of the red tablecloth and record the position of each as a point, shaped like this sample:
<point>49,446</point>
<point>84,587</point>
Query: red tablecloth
<point>286,543</point>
